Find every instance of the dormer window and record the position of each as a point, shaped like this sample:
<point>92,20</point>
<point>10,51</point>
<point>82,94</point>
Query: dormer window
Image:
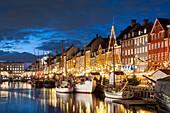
<point>139,32</point>
<point>128,35</point>
<point>125,36</point>
<point>133,34</point>
<point>158,26</point>
<point>145,30</point>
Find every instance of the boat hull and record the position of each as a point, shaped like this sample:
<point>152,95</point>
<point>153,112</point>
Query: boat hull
<point>113,95</point>
<point>85,87</point>
<point>65,90</point>
<point>163,101</point>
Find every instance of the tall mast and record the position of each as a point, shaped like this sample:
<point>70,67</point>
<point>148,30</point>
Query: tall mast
<point>66,62</point>
<point>85,59</point>
<point>38,65</point>
<point>35,62</point>
<point>114,38</point>
<point>43,63</point>
<point>62,56</point>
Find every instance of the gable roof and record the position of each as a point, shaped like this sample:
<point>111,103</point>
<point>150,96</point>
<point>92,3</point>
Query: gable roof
<point>164,22</point>
<point>166,71</point>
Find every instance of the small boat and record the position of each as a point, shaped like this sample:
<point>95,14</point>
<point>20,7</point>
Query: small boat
<point>86,87</point>
<point>49,84</point>
<point>162,93</point>
<point>65,87</point>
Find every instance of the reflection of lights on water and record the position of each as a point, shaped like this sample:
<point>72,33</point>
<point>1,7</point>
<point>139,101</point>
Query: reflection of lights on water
<point>87,107</point>
<point>108,108</point>
<point>73,108</point>
<point>80,107</point>
<point>67,107</point>
<point>29,95</point>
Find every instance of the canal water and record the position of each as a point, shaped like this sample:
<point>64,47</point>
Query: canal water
<point>21,98</point>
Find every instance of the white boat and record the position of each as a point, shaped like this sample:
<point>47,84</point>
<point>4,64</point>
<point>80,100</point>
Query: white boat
<point>114,94</point>
<point>85,87</point>
<point>65,88</point>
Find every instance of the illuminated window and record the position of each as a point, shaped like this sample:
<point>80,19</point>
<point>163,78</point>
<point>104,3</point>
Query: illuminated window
<point>158,26</point>
<point>125,52</point>
<point>146,49</point>
<point>162,34</point>
<point>125,44</point>
<point>140,40</point>
<point>131,42</point>
<point>135,41</point>
<point>155,36</point>
<point>158,56</point>
<point>128,43</point>
<point>166,43</point>
<point>162,56</point>
<point>155,57</point>
<point>152,37</point>
<point>155,45</point>
<point>143,49</point>
<point>152,56</point>
<point>158,35</point>
<point>135,50</point>
<point>162,44</point>
<point>158,44</point>
<point>146,38</point>
<point>131,51</point>
<point>122,44</point>
<point>131,60</point>
<point>152,46</point>
<point>145,30</point>
<point>166,55</point>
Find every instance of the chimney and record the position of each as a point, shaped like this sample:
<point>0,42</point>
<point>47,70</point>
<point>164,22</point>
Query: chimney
<point>145,22</point>
<point>96,35</point>
<point>133,22</point>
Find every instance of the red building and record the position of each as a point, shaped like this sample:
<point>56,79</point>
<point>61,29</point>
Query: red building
<point>158,47</point>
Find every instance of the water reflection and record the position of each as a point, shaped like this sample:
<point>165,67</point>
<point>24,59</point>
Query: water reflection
<point>28,100</point>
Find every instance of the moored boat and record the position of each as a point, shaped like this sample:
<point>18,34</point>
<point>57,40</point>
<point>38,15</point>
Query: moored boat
<point>87,86</point>
<point>65,87</point>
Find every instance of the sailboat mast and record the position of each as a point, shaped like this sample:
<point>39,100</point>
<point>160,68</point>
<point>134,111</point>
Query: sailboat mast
<point>113,36</point>
<point>66,62</point>
<point>62,56</point>
<point>85,59</point>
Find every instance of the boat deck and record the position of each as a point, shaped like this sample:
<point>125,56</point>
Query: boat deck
<point>135,102</point>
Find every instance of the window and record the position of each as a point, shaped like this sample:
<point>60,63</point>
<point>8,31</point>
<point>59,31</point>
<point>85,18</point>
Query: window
<point>155,57</point>
<point>128,43</point>
<point>128,35</point>
<point>122,61</point>
<point>125,36</point>
<point>128,60</point>
<point>145,30</point>
<point>143,49</point>
<point>146,38</point>
<point>158,35</point>
<point>146,49</point>
<point>166,44</point>
<point>152,37</point>
<point>149,56</point>
<point>139,32</point>
<point>131,60</point>
<point>140,40</point>
<point>132,34</point>
<point>131,51</point>
<point>162,56</point>
<point>158,44</point>
<point>158,26</point>
<point>122,44</point>
<point>155,27</point>
<point>140,49</point>
<point>125,44</point>
<point>131,42</point>
<point>135,41</point>
<point>152,46</point>
<point>125,52</point>
<point>152,56</point>
<point>155,45</point>
<point>135,50</point>
<point>155,36</point>
<point>166,55</point>
<point>162,34</point>
<point>122,53</point>
<point>125,61</point>
<point>149,47</point>
<point>143,40</point>
<point>158,56</point>
<point>162,44</point>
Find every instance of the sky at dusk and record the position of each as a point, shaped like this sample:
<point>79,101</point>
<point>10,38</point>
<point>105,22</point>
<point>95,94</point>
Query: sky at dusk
<point>40,25</point>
